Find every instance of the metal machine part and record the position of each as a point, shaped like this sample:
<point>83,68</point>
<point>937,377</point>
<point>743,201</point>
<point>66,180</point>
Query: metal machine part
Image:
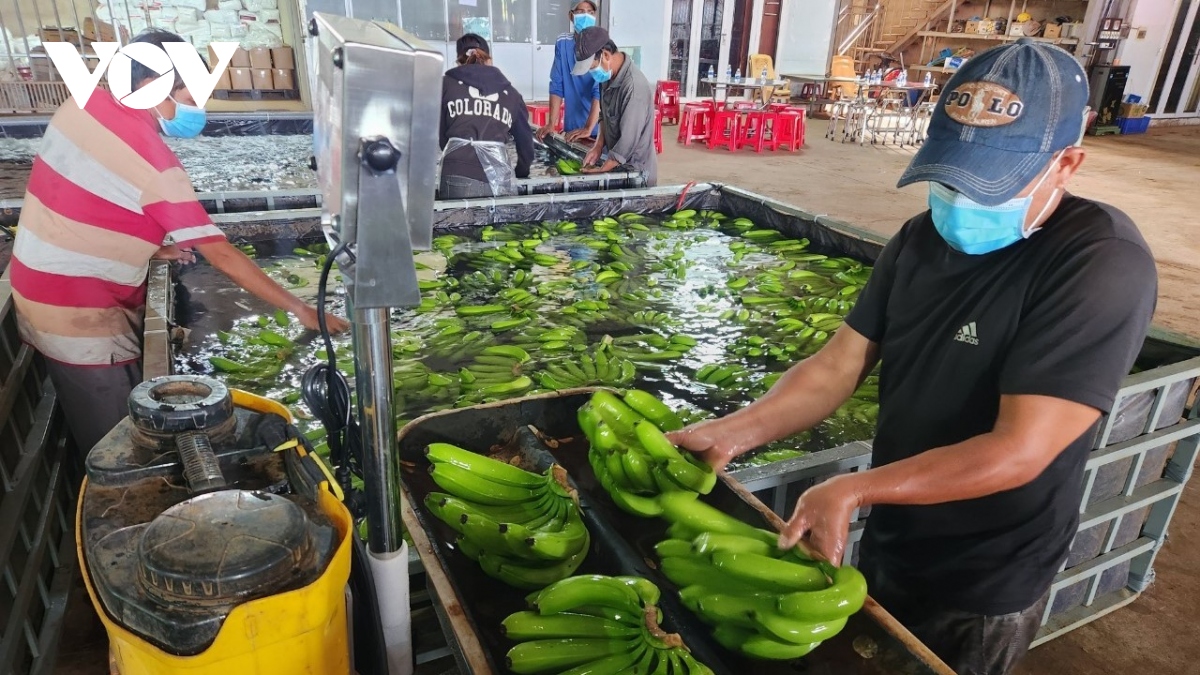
<point>375,150</point>
<point>170,565</point>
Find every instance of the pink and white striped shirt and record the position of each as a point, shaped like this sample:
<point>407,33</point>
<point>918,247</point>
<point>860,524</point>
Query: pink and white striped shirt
<point>104,193</point>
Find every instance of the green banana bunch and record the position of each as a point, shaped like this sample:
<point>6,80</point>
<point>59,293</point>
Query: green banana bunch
<point>651,350</point>
<point>722,376</point>
<point>596,625</point>
<point>595,367</point>
<point>568,167</point>
<point>762,602</point>
<point>497,372</point>
<point>522,528</point>
<point>632,459</point>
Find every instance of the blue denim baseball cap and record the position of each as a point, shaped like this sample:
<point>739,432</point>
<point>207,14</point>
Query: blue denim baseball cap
<point>1000,119</point>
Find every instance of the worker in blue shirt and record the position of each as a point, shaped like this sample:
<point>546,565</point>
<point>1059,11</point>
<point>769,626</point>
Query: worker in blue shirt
<point>581,94</point>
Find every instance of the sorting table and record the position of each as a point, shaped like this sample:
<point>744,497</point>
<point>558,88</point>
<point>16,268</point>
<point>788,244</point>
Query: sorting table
<point>746,85</point>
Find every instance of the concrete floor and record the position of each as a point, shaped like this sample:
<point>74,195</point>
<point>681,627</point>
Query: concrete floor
<point>1155,178</point>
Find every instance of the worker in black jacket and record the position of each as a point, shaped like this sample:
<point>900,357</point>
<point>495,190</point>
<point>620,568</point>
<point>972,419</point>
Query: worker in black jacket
<point>480,111</point>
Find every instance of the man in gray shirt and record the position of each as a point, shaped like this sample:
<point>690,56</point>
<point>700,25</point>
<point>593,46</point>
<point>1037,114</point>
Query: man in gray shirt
<point>626,107</point>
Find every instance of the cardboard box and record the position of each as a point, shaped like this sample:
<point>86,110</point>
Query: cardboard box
<point>260,58</point>
<point>104,33</point>
<point>241,79</point>
<point>284,78</point>
<point>225,82</point>
<point>241,58</point>
<point>1134,110</point>
<point>261,78</point>
<point>972,27</point>
<point>1016,29</point>
<point>1052,30</point>
<point>283,58</point>
<point>986,27</point>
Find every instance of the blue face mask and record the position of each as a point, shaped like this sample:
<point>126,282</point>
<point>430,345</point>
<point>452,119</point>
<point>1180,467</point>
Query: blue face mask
<point>583,22</point>
<point>188,122</point>
<point>975,229</point>
<point>600,74</point>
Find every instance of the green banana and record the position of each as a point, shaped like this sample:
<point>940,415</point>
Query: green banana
<point>844,597</point>
<point>585,590</point>
<point>466,485</point>
<point>710,542</point>
<point>638,471</point>
<point>646,590</point>
<point>558,654</point>
<point>671,548</point>
<point>481,465</point>
<point>529,625</point>
<point>653,409</point>
<point>759,646</point>
<point>521,575</point>
<point>685,508</point>
<point>615,664</point>
<point>694,476</point>
<point>796,632</point>
<point>770,573</point>
<point>688,571</point>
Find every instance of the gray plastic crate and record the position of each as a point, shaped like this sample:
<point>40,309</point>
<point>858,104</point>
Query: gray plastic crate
<point>37,494</point>
<point>1144,454</point>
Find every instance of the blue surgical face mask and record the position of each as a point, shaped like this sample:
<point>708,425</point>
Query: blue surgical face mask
<point>188,122</point>
<point>583,21</point>
<point>600,74</point>
<point>975,229</point>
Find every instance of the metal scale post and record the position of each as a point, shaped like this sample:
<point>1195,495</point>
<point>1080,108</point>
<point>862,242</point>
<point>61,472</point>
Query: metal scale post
<point>376,146</point>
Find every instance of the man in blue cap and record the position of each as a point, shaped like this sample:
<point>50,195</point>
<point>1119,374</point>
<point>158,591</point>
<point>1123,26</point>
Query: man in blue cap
<point>1005,318</point>
<point>579,93</point>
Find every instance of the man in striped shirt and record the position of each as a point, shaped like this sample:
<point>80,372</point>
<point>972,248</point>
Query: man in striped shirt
<point>104,194</point>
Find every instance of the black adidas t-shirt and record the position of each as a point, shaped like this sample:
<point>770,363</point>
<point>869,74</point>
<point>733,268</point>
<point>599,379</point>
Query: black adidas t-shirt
<point>1063,314</point>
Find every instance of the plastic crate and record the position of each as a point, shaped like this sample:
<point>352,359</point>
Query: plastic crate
<point>1144,452</point>
<point>1133,125</point>
<point>37,490</point>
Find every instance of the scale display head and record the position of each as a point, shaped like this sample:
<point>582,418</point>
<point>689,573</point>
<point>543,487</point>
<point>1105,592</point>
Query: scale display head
<point>375,145</point>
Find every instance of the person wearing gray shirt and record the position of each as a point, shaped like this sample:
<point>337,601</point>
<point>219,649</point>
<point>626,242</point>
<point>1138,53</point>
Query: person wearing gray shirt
<point>626,107</point>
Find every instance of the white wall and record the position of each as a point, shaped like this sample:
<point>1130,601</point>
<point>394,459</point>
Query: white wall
<point>636,23</point>
<point>1143,56</point>
<point>805,37</point>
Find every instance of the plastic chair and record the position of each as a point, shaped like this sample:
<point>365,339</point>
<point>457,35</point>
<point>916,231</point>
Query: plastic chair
<point>769,94</point>
<point>788,131</point>
<point>756,127</point>
<point>666,98</point>
<point>843,66</point>
<point>726,125</point>
<point>695,122</point>
<point>538,114</point>
<point>562,116</point>
<point>658,119</point>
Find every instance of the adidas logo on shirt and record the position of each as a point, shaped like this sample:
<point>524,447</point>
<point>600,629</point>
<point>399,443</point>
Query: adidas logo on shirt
<point>967,334</point>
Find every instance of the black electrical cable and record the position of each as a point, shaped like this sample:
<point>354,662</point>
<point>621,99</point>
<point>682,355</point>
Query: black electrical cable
<point>327,394</point>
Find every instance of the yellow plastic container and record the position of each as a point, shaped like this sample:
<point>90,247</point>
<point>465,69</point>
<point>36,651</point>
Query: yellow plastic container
<point>300,631</point>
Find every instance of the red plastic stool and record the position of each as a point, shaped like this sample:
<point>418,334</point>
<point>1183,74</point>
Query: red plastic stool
<point>694,124</point>
<point>758,125</point>
<point>726,125</point>
<point>788,131</point>
<point>666,98</point>
<point>538,114</point>
<point>658,120</point>
<point>562,115</point>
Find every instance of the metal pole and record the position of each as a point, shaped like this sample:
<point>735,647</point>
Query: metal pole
<point>377,416</point>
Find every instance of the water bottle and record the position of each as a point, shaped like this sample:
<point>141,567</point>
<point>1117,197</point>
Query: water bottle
<point>928,78</point>
<point>902,80</point>
<point>711,73</point>
<point>737,77</point>
<point>764,74</point>
<point>729,72</point>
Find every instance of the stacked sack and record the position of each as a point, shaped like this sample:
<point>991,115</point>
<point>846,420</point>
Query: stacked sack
<point>253,23</point>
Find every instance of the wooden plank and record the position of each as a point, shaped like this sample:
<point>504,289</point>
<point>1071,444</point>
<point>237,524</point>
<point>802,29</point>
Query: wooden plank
<point>467,645</point>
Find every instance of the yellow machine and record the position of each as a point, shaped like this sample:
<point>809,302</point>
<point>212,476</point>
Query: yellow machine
<point>210,539</point>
